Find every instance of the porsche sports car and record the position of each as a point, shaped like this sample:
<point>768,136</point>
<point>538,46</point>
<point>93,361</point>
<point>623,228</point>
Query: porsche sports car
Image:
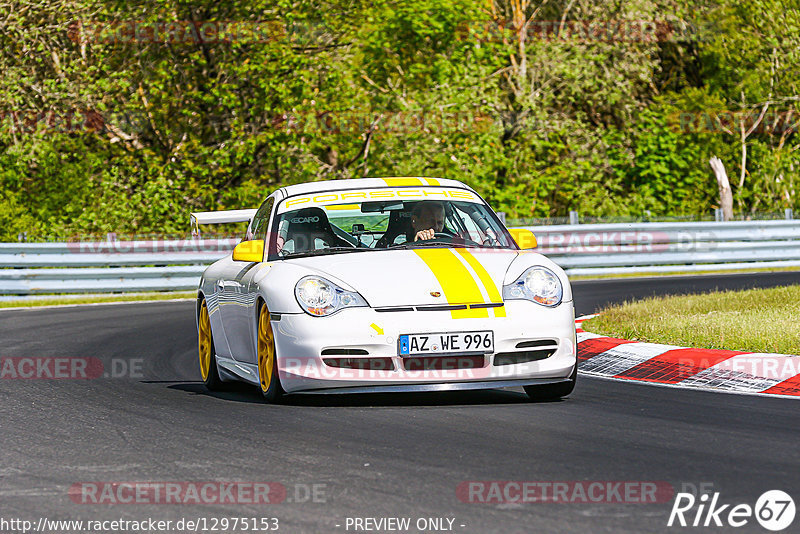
<point>383,285</point>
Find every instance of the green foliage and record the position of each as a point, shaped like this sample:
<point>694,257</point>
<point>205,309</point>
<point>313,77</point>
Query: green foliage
<point>100,135</point>
<point>14,218</point>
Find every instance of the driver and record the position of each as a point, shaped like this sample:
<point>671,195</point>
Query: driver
<point>427,219</point>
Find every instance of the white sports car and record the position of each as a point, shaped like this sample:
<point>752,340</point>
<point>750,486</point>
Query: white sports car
<point>383,285</point>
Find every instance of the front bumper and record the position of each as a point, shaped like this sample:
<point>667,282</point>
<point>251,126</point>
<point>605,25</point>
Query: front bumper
<point>442,386</point>
<point>301,339</point>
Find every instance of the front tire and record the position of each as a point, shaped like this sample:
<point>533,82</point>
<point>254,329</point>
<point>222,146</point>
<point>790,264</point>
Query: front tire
<point>268,377</point>
<point>205,344</point>
<point>553,391</point>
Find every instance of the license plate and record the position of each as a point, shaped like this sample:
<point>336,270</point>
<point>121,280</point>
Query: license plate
<point>446,343</point>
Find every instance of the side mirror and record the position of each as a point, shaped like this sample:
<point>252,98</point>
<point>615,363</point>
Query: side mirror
<point>524,238</point>
<point>249,251</point>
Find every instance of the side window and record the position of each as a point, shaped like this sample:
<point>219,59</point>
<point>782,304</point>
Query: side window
<point>258,228</point>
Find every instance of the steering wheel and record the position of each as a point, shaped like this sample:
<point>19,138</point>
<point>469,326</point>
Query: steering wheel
<point>458,239</point>
<point>436,235</point>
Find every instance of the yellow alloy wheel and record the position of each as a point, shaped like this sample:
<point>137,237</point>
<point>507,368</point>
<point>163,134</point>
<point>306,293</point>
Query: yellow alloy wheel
<point>266,350</point>
<point>204,341</point>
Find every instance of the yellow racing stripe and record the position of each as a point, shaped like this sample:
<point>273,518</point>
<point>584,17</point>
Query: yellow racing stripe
<point>486,280</point>
<point>432,181</point>
<point>399,182</point>
<point>458,284</point>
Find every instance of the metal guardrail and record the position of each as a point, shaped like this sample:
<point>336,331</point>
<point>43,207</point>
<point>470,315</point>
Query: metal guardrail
<point>107,266</point>
<point>670,247</point>
<point>161,265</point>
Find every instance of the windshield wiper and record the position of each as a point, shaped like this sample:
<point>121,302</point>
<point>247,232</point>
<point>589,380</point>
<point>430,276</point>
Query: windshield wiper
<point>323,251</point>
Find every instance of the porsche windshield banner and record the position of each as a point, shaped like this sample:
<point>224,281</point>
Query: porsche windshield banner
<point>353,198</point>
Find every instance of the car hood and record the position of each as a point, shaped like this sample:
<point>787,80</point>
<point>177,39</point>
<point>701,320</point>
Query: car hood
<point>418,277</point>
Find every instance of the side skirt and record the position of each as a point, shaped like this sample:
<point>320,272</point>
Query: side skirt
<point>234,371</point>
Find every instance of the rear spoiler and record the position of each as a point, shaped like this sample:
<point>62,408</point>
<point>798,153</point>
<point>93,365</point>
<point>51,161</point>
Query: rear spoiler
<point>219,217</point>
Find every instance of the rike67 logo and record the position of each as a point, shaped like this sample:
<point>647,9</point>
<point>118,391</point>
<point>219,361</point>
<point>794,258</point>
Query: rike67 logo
<point>774,510</point>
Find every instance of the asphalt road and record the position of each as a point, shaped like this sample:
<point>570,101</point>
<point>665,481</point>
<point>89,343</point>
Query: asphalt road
<point>375,456</point>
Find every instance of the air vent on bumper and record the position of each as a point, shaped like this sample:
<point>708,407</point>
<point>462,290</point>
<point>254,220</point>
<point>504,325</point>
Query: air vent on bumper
<point>344,352</point>
<point>365,364</point>
<point>523,356</point>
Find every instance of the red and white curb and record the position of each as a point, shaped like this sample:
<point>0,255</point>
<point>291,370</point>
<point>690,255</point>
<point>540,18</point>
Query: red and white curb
<point>669,365</point>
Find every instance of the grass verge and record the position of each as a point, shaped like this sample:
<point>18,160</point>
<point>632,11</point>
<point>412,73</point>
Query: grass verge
<point>94,299</point>
<point>755,320</point>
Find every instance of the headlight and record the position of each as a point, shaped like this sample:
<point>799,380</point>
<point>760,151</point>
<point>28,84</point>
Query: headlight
<point>320,297</point>
<point>539,284</point>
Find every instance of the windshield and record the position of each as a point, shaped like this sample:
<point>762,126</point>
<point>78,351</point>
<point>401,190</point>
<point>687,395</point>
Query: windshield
<point>381,219</point>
